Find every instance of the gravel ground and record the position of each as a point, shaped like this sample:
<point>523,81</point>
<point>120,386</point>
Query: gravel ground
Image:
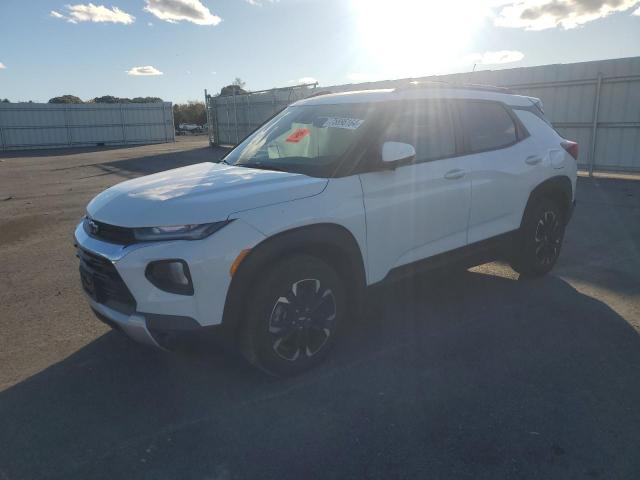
<point>472,374</point>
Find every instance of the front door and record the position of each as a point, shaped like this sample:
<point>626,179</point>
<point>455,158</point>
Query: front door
<point>421,209</point>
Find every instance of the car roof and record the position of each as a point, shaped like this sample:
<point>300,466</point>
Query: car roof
<point>421,91</point>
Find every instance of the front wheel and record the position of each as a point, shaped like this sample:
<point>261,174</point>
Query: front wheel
<point>538,243</point>
<point>295,316</point>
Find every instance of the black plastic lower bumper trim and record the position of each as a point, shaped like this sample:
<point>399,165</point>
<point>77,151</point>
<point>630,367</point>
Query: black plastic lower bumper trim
<point>174,331</point>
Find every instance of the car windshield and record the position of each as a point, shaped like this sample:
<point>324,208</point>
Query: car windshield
<point>309,139</point>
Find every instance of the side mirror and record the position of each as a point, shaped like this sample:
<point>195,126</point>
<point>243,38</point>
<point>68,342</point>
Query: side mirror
<point>395,154</point>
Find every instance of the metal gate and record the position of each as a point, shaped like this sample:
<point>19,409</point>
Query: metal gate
<point>233,117</point>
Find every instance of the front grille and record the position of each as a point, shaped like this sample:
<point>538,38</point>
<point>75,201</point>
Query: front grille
<point>108,233</point>
<point>103,283</point>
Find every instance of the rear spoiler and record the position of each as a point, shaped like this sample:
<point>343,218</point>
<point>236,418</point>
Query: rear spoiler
<point>537,103</point>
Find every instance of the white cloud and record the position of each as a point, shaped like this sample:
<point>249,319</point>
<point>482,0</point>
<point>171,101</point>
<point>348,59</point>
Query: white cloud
<point>147,70</point>
<point>496,58</point>
<point>637,12</point>
<point>2,66</point>
<point>93,13</point>
<point>174,11</point>
<point>543,14</point>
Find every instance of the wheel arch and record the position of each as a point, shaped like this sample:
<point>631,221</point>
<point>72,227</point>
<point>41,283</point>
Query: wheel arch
<point>329,242</point>
<point>557,188</point>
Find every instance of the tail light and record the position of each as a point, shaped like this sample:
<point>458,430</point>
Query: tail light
<point>571,148</point>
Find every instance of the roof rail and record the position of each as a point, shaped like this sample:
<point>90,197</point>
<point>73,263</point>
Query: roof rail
<point>320,93</point>
<point>462,86</point>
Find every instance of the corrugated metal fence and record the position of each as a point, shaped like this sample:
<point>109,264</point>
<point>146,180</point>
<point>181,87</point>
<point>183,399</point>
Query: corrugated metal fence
<point>233,117</point>
<point>595,103</point>
<point>48,125</point>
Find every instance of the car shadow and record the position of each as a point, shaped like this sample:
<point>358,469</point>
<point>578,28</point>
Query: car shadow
<point>467,375</point>
<point>135,167</point>
<point>62,152</point>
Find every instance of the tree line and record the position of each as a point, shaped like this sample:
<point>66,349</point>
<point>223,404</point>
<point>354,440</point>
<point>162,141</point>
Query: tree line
<point>104,99</point>
<point>192,112</point>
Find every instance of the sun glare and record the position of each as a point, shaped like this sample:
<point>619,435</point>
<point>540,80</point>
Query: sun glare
<point>405,38</point>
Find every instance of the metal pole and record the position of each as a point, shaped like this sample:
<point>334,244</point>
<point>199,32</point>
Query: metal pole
<point>4,147</point>
<point>124,132</point>
<point>594,127</point>
<point>66,126</point>
<point>216,134</point>
<point>208,114</point>
<point>226,104</point>
<point>250,125</point>
<point>164,123</point>
<point>173,123</point>
<point>235,116</point>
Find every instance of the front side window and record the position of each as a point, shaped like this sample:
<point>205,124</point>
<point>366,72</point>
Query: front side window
<point>488,126</point>
<point>311,139</point>
<point>427,126</point>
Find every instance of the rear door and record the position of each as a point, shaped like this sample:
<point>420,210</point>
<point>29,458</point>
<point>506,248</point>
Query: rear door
<point>504,166</point>
<point>421,209</point>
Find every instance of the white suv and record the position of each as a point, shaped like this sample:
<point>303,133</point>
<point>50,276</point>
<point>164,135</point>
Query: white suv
<point>275,245</point>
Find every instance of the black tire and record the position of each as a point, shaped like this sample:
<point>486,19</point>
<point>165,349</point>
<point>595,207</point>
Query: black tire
<point>294,317</point>
<point>538,242</point>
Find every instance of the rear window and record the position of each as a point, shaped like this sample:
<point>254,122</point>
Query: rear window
<point>488,126</point>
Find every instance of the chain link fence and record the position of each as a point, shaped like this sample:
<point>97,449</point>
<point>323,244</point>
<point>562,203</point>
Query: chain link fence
<point>233,117</point>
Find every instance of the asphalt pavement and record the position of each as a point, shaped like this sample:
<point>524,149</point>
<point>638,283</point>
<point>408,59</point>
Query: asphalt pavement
<point>464,374</point>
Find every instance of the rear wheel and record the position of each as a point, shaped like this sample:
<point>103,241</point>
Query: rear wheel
<point>293,321</point>
<point>538,243</point>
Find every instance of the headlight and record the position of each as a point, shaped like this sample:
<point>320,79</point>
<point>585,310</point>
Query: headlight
<point>178,232</point>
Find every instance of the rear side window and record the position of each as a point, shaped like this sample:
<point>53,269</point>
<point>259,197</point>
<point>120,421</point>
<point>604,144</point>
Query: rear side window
<point>487,125</point>
<point>427,126</point>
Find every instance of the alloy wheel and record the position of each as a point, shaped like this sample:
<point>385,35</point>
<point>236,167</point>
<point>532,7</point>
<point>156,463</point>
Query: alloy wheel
<point>302,320</point>
<point>548,237</point>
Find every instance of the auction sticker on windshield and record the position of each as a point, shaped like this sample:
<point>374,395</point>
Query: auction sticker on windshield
<point>298,135</point>
<point>338,122</point>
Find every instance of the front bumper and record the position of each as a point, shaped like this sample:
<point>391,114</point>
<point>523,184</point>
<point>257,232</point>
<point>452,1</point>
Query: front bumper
<point>167,332</point>
<point>135,326</point>
<point>153,316</point>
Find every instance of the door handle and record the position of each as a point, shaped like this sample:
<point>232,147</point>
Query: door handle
<point>533,160</point>
<point>454,174</point>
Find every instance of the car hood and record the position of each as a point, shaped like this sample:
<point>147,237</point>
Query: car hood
<point>202,193</point>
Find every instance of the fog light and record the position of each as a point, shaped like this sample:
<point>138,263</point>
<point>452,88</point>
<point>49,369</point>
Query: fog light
<point>172,276</point>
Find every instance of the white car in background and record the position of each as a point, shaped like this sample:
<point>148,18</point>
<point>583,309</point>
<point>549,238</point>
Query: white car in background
<point>276,244</point>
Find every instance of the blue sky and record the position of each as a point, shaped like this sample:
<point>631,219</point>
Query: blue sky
<point>181,47</point>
